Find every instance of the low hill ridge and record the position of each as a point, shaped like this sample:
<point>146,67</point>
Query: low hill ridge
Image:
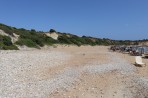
<point>11,37</point>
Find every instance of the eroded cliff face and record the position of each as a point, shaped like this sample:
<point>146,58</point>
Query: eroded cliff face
<point>3,33</point>
<point>14,38</point>
<point>53,35</point>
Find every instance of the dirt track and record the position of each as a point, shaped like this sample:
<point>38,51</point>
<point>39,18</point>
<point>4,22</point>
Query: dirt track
<point>70,72</point>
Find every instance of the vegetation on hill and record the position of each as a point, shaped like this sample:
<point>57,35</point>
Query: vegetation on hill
<point>6,44</point>
<point>37,39</point>
<point>6,29</point>
<point>31,38</point>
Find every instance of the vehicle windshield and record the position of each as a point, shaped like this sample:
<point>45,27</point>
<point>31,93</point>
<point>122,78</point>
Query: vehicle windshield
<point>146,49</point>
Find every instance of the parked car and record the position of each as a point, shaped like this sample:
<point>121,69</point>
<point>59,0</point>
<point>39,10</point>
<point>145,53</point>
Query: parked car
<point>133,50</point>
<point>142,51</point>
<point>145,51</point>
<point>114,48</point>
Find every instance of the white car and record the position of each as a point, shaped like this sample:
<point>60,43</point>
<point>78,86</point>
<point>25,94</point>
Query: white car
<point>142,51</point>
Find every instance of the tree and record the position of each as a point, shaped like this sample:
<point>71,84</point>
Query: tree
<point>33,30</point>
<point>52,30</point>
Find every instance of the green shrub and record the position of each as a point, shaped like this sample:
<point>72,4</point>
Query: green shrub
<point>7,40</point>
<point>64,40</point>
<point>50,41</point>
<point>26,42</point>
<point>6,44</point>
<point>37,38</point>
<point>12,47</point>
<point>52,30</point>
<point>6,29</point>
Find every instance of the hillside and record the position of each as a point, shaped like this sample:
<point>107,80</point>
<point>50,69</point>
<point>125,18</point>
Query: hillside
<point>11,37</point>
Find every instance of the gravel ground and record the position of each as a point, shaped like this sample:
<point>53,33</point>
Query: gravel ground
<point>21,72</point>
<point>137,87</point>
<point>116,63</point>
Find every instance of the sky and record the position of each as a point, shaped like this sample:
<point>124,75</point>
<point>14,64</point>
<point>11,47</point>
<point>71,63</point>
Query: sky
<point>114,19</point>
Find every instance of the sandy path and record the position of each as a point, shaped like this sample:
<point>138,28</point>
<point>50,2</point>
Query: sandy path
<point>69,72</point>
<point>97,80</point>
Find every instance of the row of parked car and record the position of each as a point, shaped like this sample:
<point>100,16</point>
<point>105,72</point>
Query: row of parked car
<point>133,50</point>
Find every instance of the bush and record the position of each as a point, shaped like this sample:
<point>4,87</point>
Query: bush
<point>76,40</point>
<point>6,44</point>
<point>7,41</point>
<point>64,40</point>
<point>12,47</point>
<point>26,42</point>
<point>37,39</point>
<point>52,30</point>
<point>6,29</point>
<point>50,41</point>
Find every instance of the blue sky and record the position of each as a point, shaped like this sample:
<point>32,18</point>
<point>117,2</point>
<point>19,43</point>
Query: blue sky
<point>115,19</point>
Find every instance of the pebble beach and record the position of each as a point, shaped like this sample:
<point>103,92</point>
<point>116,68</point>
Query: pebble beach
<point>71,72</point>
